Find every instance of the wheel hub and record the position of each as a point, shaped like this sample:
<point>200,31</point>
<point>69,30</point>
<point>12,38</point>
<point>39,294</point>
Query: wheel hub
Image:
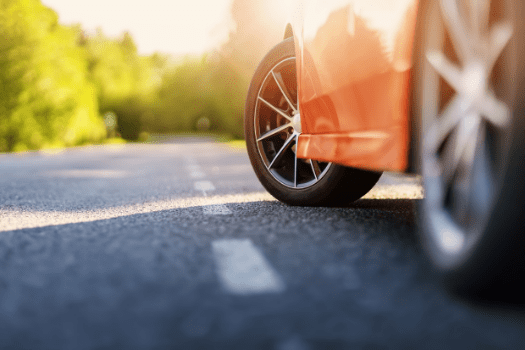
<point>296,122</point>
<point>475,84</point>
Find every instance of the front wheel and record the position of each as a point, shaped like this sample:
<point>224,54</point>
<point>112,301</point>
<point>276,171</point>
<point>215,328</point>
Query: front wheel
<point>272,124</point>
<point>467,99</point>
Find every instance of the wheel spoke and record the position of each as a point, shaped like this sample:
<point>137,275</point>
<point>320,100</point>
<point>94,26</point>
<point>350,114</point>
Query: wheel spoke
<point>479,19</point>
<point>499,37</point>
<point>280,154</point>
<point>280,83</point>
<point>276,139</point>
<point>449,71</point>
<point>443,125</point>
<point>457,29</point>
<point>496,111</point>
<point>274,131</point>
<point>463,185</point>
<point>314,165</point>
<point>277,110</point>
<point>460,148</point>
<point>480,200</point>
<point>295,167</point>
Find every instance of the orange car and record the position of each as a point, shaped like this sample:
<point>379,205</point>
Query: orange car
<point>358,87</point>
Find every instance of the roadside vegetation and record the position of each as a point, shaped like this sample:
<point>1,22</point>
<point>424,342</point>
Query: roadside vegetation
<point>61,87</point>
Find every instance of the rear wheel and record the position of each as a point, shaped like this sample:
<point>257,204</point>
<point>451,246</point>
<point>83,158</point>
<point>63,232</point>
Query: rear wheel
<point>470,146</point>
<point>272,123</point>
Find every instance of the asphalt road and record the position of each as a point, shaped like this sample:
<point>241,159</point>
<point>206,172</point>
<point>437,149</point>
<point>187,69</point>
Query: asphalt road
<point>177,245</point>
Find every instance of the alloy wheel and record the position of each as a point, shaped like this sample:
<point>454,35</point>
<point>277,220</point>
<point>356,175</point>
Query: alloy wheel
<point>465,121</point>
<point>277,126</point>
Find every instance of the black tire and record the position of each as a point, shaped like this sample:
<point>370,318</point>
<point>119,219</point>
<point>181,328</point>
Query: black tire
<point>471,221</point>
<point>273,158</point>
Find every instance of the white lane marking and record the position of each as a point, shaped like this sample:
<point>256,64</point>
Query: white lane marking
<point>218,209</point>
<point>204,186</point>
<point>243,269</point>
<point>195,171</point>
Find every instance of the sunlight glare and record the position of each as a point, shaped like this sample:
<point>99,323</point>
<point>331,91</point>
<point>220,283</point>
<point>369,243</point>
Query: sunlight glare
<point>177,27</point>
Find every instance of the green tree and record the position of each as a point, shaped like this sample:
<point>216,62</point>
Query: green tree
<point>125,81</point>
<point>46,98</point>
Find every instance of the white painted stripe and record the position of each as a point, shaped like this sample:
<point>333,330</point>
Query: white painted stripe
<point>195,171</point>
<point>243,269</point>
<point>218,209</point>
<point>204,186</point>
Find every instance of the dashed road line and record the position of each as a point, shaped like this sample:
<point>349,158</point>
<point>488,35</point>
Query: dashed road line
<point>219,209</point>
<point>195,171</point>
<point>204,186</point>
<point>243,269</point>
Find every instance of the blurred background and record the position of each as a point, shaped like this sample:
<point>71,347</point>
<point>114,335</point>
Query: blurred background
<point>78,72</point>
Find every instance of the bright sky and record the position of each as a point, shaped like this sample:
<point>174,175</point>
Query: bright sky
<point>169,26</point>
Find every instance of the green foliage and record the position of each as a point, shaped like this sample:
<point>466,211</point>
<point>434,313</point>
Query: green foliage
<point>46,99</point>
<point>56,82</point>
<point>125,81</point>
<point>230,88</point>
<point>192,98</point>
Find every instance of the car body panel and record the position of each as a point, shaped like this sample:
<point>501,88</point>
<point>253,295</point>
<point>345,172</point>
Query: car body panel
<point>353,63</point>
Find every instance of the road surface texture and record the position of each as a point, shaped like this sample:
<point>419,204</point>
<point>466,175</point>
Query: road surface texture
<point>177,246</point>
